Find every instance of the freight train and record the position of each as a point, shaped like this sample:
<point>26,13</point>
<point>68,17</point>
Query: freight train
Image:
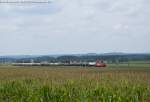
<point>92,64</point>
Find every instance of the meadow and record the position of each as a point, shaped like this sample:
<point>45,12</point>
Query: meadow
<point>116,83</point>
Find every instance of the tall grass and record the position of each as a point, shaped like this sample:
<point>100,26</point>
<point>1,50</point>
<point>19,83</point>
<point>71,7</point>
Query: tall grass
<point>72,91</point>
<point>73,85</point>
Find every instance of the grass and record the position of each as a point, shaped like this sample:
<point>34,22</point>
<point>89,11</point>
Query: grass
<point>74,84</point>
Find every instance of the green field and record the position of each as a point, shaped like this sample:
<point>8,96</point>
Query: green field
<point>116,83</point>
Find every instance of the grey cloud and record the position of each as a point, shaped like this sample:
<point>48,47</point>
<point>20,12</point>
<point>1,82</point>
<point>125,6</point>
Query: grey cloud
<point>77,26</point>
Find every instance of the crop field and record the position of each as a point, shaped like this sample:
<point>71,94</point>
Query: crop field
<point>116,83</point>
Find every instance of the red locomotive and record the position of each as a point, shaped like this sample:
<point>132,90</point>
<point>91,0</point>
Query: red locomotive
<point>100,64</point>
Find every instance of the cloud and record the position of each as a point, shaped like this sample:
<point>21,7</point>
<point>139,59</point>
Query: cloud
<point>76,26</point>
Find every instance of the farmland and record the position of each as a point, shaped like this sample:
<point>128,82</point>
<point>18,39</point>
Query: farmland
<point>116,83</point>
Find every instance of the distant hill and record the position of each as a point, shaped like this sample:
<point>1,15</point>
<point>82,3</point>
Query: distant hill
<point>115,53</point>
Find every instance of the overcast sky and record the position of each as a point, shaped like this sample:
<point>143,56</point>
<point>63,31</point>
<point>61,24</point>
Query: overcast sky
<point>75,26</point>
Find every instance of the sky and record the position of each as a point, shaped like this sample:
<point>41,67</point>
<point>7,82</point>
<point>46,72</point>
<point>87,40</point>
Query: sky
<point>75,26</point>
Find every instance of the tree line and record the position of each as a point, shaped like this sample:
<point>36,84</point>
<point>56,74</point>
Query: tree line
<point>81,58</point>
